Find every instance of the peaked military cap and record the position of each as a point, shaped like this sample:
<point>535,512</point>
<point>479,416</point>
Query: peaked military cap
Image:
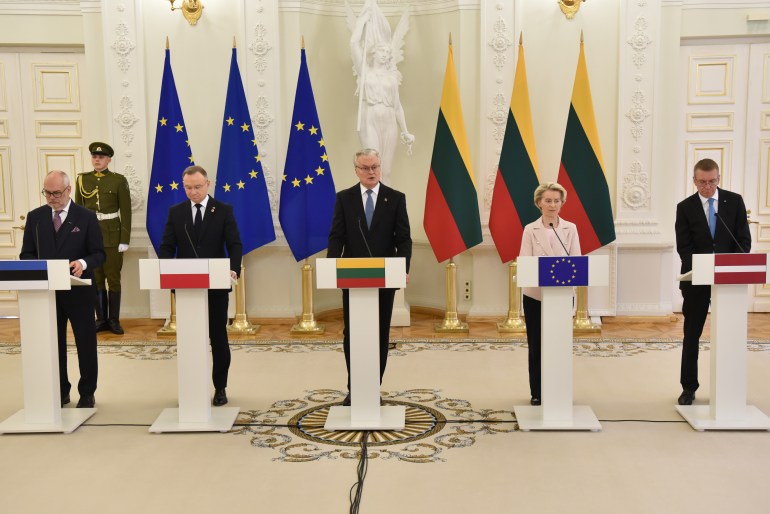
<point>101,149</point>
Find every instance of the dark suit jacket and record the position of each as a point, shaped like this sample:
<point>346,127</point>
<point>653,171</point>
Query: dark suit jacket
<point>389,235</point>
<point>692,229</point>
<point>79,238</point>
<point>219,233</point>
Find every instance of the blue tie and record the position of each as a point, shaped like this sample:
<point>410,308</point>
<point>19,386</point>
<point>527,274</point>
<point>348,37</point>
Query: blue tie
<point>712,218</point>
<point>369,209</point>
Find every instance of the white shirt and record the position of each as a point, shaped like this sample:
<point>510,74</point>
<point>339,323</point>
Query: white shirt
<point>705,202</point>
<point>364,196</point>
<point>203,208</point>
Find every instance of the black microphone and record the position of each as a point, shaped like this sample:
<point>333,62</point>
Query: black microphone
<point>190,240</point>
<point>37,240</point>
<point>730,232</point>
<point>364,238</point>
<point>557,237</point>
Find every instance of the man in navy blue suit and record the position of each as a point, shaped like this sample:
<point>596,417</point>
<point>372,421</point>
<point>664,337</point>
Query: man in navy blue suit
<point>204,228</point>
<point>713,220</point>
<point>370,220</point>
<point>63,229</point>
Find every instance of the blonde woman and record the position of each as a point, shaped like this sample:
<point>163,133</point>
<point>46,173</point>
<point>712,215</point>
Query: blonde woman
<point>548,235</point>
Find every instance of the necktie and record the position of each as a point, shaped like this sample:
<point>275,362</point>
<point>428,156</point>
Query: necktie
<point>712,218</point>
<point>57,221</point>
<point>369,209</point>
<point>198,221</point>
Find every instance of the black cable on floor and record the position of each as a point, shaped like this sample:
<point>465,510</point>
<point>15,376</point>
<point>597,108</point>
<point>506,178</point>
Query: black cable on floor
<point>362,468</point>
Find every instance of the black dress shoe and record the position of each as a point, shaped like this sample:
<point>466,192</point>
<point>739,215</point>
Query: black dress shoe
<point>102,326</point>
<point>686,398</point>
<point>220,397</point>
<point>535,400</point>
<point>65,399</point>
<point>346,401</point>
<point>115,327</point>
<point>86,402</point>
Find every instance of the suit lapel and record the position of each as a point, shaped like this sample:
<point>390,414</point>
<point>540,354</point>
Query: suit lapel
<point>211,208</point>
<point>358,206</point>
<point>66,227</point>
<point>542,240</point>
<point>380,206</point>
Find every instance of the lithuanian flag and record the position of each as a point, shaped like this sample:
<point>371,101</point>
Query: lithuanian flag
<point>364,272</point>
<point>517,175</point>
<point>582,169</point>
<point>451,219</point>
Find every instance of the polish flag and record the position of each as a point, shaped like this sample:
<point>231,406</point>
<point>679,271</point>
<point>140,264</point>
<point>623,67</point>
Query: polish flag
<point>184,274</point>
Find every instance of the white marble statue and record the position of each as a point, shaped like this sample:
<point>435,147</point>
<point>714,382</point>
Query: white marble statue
<point>381,121</point>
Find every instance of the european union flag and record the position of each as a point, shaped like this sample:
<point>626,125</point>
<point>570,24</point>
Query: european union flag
<point>563,271</point>
<point>171,156</point>
<point>307,190</point>
<point>240,178</point>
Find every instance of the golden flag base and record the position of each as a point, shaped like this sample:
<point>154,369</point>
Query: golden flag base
<point>514,324</point>
<point>582,323</point>
<point>241,323</point>
<point>308,325</point>
<point>451,323</point>
<point>169,329</point>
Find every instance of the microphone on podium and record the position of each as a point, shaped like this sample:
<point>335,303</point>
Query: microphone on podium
<point>730,232</point>
<point>363,236</point>
<point>557,237</point>
<point>190,240</point>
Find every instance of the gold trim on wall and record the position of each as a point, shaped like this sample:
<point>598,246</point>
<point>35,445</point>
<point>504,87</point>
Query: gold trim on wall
<point>75,128</point>
<point>4,128</point>
<point>71,99</point>
<point>6,195</point>
<point>3,102</point>
<point>7,238</point>
<point>696,94</point>
<point>727,126</point>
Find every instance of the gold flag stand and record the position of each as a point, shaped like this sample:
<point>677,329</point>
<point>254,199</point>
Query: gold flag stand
<point>582,323</point>
<point>241,323</point>
<point>514,323</point>
<point>451,323</point>
<point>308,325</point>
<point>169,329</point>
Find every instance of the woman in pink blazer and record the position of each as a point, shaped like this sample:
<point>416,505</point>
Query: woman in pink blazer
<point>548,235</point>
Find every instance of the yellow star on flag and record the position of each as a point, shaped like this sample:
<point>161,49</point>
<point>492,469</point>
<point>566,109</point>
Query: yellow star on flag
<point>241,184</point>
<point>192,159</point>
<point>163,122</point>
<point>226,187</point>
<point>254,141</point>
<point>319,170</point>
<point>308,180</point>
<point>229,121</point>
<point>313,130</point>
<point>324,157</point>
<point>178,127</point>
<point>254,174</point>
<point>283,178</point>
<point>321,142</point>
<point>245,127</point>
<point>158,188</point>
<point>300,125</point>
<point>174,186</point>
<point>295,182</point>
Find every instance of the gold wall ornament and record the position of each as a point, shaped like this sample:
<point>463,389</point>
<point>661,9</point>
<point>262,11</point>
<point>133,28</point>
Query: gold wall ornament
<point>570,7</point>
<point>191,10</point>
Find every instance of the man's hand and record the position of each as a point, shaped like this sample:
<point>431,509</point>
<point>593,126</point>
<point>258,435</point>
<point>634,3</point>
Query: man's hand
<point>122,247</point>
<point>76,268</point>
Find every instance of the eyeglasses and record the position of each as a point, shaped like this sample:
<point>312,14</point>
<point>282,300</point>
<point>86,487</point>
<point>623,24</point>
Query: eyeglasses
<point>367,169</point>
<point>53,194</point>
<point>704,183</point>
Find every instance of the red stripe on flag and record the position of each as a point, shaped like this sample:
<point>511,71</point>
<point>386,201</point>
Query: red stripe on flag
<point>740,259</point>
<point>354,283</point>
<point>504,222</point>
<point>574,211</point>
<point>198,281</point>
<point>741,277</point>
<point>439,223</point>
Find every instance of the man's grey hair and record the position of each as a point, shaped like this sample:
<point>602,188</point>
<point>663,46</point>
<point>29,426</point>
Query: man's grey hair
<point>65,178</point>
<point>365,151</point>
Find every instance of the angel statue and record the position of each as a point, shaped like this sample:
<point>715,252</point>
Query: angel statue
<point>375,54</point>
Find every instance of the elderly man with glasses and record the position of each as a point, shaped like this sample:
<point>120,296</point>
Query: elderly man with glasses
<point>62,229</point>
<point>713,220</point>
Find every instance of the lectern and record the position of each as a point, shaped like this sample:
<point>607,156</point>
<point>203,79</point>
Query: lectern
<point>37,283</point>
<point>192,278</point>
<point>363,277</point>
<point>729,276</point>
<point>556,276</point>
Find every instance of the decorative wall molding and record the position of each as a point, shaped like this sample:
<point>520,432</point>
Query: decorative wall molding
<point>389,7</point>
<point>637,226</point>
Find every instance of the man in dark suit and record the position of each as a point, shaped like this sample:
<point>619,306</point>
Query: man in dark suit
<point>203,228</point>
<point>370,220</point>
<point>712,220</point>
<point>63,229</point>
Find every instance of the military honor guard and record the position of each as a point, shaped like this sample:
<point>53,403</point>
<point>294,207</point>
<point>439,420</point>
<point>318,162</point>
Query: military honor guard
<point>107,194</point>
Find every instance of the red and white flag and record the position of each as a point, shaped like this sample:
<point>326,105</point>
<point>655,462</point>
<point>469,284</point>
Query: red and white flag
<point>740,268</point>
<point>184,274</point>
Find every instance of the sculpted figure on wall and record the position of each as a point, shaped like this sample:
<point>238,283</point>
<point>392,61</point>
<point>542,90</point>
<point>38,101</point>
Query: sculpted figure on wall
<point>376,52</point>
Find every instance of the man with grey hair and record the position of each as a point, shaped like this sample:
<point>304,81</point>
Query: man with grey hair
<point>370,220</point>
<point>62,229</point>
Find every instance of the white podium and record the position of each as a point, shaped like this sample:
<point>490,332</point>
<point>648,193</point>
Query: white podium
<point>37,282</point>
<point>728,275</point>
<point>556,276</point>
<point>364,277</point>
<point>192,278</point>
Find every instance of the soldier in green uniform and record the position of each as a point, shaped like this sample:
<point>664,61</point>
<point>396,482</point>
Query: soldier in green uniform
<point>107,193</point>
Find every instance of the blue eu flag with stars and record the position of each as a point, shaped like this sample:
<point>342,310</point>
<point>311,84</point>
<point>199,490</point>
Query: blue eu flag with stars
<point>307,189</point>
<point>171,156</point>
<point>563,271</point>
<point>240,178</point>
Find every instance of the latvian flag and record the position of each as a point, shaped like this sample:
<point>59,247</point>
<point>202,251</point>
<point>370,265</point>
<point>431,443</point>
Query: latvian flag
<point>354,273</point>
<point>23,275</point>
<point>740,268</point>
<point>184,274</point>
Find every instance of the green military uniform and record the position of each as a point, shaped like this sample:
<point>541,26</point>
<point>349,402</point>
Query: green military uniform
<point>107,194</point>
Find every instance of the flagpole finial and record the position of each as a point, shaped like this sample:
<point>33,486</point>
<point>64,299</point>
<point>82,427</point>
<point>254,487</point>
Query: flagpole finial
<point>581,36</point>
<point>233,41</point>
<point>450,39</point>
<point>166,42</point>
<point>521,38</point>
<point>302,42</point>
